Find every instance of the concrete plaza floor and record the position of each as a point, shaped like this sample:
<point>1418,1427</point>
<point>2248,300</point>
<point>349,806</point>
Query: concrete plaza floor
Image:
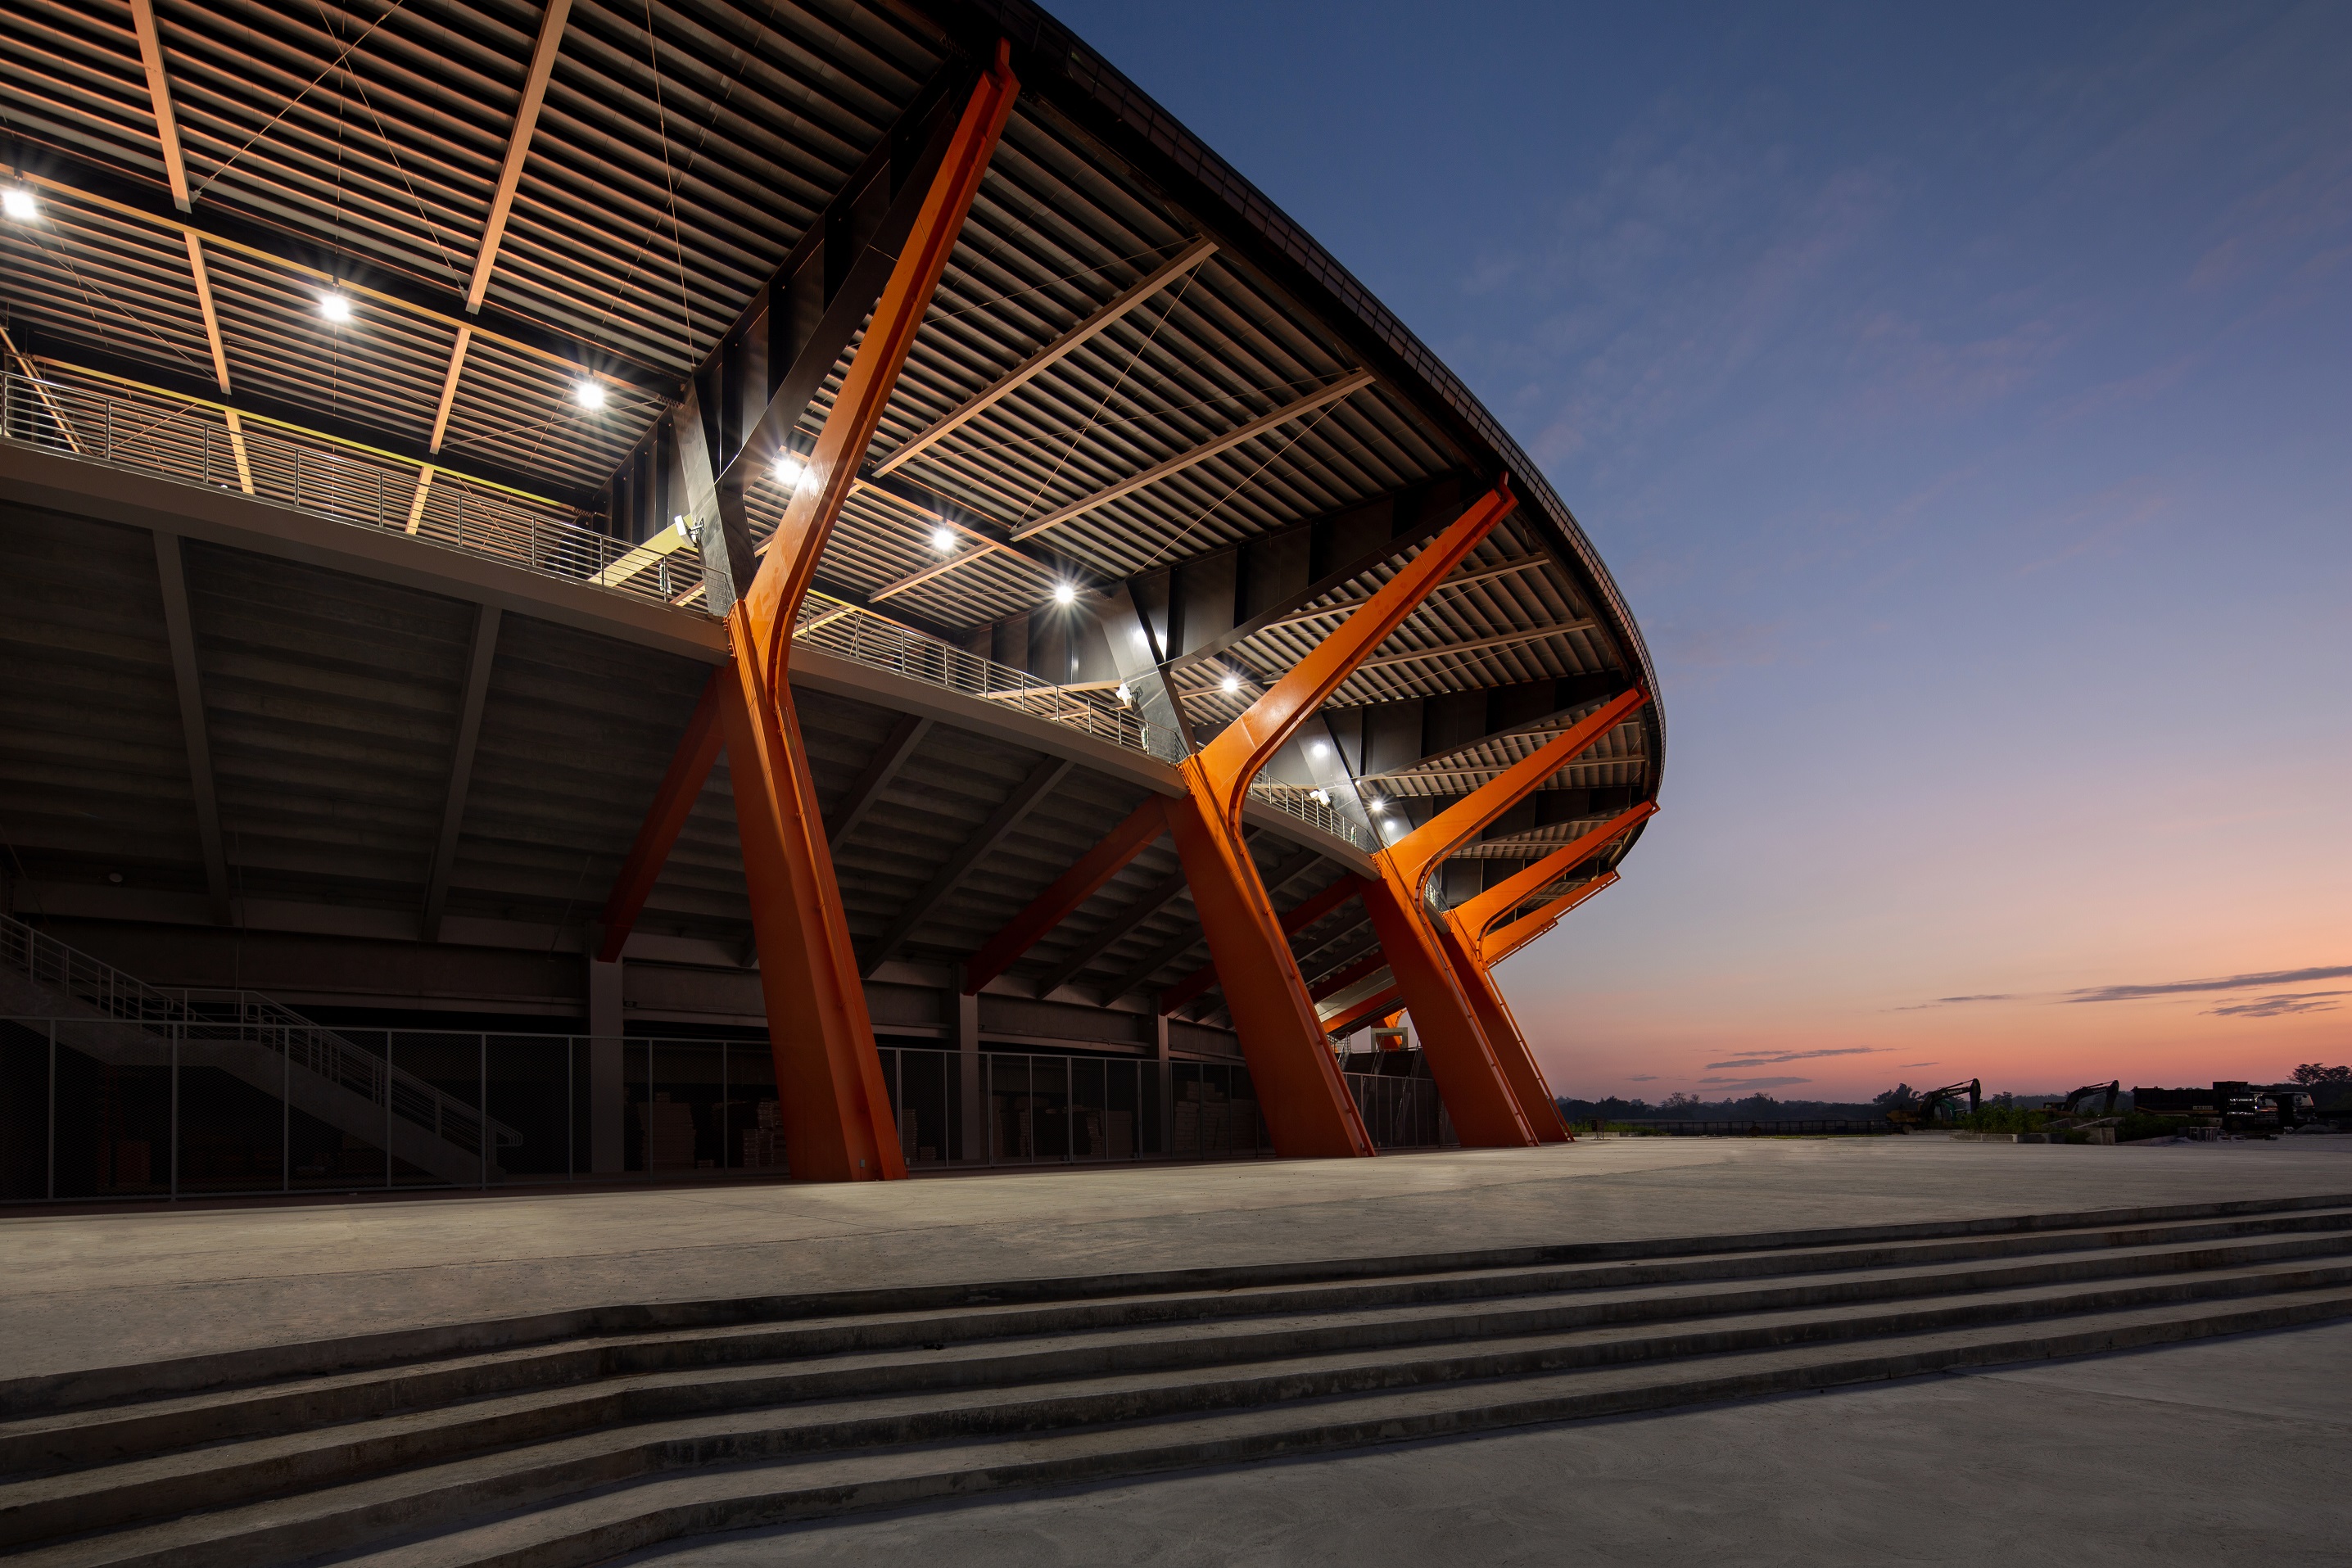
<point>82,1289</point>
<point>2222,1451</point>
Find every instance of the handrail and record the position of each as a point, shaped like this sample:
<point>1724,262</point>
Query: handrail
<point>250,1017</point>
<point>191,443</point>
<point>194,443</point>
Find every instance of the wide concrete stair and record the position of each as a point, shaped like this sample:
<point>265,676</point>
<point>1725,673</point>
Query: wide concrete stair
<point>576,1436</point>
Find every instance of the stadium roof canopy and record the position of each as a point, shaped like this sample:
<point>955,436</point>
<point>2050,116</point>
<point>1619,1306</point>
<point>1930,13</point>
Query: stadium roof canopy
<point>488,249</point>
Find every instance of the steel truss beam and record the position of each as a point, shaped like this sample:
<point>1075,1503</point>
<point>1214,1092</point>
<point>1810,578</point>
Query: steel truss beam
<point>1308,1109</point>
<point>837,1114</point>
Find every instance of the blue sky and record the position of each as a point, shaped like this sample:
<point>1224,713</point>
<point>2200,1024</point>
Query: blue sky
<point>1962,399</point>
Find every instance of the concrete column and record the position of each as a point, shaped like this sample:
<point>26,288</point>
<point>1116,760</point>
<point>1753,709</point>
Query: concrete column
<point>604,1139</point>
<point>1167,1083</point>
<point>973,1091</point>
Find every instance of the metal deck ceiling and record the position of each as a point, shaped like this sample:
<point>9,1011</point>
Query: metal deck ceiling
<point>681,151</point>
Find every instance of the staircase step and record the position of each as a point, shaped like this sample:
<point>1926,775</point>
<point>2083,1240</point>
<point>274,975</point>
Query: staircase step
<point>75,1439</point>
<point>282,1366</point>
<point>339,1516</point>
<point>627,1512</point>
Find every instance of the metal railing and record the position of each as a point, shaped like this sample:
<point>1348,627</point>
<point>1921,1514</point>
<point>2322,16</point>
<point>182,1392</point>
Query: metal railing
<point>205,1017</point>
<point>140,1109</point>
<point>195,444</point>
<point>879,643</point>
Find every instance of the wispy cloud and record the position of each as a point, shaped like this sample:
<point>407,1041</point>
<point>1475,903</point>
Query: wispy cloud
<point>1754,1083</point>
<point>1955,1002</point>
<point>1747,1059</point>
<point>2278,1007</point>
<point>1642,1078</point>
<point>1923,1064</point>
<point>2224,983</point>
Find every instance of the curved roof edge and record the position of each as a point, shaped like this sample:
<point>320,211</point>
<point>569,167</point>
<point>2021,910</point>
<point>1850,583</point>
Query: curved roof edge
<point>1058,64</point>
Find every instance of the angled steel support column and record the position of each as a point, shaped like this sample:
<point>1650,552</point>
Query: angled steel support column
<point>1307,1107</point>
<point>1503,941</point>
<point>1493,1087</point>
<point>1294,919</point>
<point>1354,1013</point>
<point>681,786</point>
<point>837,1114</point>
<point>1071,889</point>
<point>1459,934</point>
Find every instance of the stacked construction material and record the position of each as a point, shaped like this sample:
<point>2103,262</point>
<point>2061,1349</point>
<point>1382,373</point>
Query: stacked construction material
<point>763,1146</point>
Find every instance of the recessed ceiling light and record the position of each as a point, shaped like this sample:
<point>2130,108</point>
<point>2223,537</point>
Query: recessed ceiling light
<point>589,394</point>
<point>1231,684</point>
<point>335,307</point>
<point>1065,594</point>
<point>943,539</point>
<point>789,470</point>
<point>19,205</point>
<point>1376,805</point>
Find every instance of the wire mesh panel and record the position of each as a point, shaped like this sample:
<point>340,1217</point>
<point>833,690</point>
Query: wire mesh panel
<point>26,1064</point>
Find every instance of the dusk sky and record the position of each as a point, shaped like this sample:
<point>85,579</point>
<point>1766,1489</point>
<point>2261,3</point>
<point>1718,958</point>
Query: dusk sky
<point>1960,399</point>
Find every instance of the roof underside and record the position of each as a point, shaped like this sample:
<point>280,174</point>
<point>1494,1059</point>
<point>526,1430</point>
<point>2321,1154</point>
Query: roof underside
<point>681,153</point>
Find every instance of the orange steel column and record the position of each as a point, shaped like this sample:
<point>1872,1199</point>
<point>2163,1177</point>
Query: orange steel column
<point>1492,1086</point>
<point>1460,937</point>
<point>681,786</point>
<point>836,1115</point>
<point>1070,890</point>
<point>1308,1108</point>
<point>1502,941</point>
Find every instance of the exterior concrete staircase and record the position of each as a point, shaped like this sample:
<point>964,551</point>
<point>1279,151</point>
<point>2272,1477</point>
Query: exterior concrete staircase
<point>125,1022</point>
<point>577,1437</point>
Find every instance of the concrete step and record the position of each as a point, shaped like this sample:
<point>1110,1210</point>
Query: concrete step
<point>1083,1389</point>
<point>75,1439</point>
<point>716,1478</point>
<point>98,1454</point>
<point>629,1518</point>
<point>155,1383</point>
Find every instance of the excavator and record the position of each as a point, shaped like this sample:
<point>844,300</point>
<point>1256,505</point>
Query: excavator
<point>1932,1103</point>
<point>2075,1100</point>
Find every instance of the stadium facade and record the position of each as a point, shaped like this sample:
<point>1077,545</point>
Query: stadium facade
<point>596,590</point>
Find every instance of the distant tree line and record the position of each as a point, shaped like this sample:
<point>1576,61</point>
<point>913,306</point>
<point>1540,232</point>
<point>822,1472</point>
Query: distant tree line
<point>1687,1107</point>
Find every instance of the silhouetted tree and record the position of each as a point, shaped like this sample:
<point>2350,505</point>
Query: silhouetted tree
<point>2311,1072</point>
<point>1902,1097</point>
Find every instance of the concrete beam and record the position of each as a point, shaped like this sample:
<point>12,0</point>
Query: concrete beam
<point>180,632</point>
<point>483,655</point>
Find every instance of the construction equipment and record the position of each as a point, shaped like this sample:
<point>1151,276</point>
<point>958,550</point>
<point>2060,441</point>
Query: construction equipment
<point>1934,1102</point>
<point>2075,1101</point>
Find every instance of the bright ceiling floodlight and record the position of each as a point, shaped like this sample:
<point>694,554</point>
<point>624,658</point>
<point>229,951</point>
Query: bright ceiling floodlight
<point>943,539</point>
<point>335,307</point>
<point>1065,594</point>
<point>789,470</point>
<point>19,205</point>
<point>1230,685</point>
<point>1376,805</point>
<point>1125,695</point>
<point>589,394</point>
